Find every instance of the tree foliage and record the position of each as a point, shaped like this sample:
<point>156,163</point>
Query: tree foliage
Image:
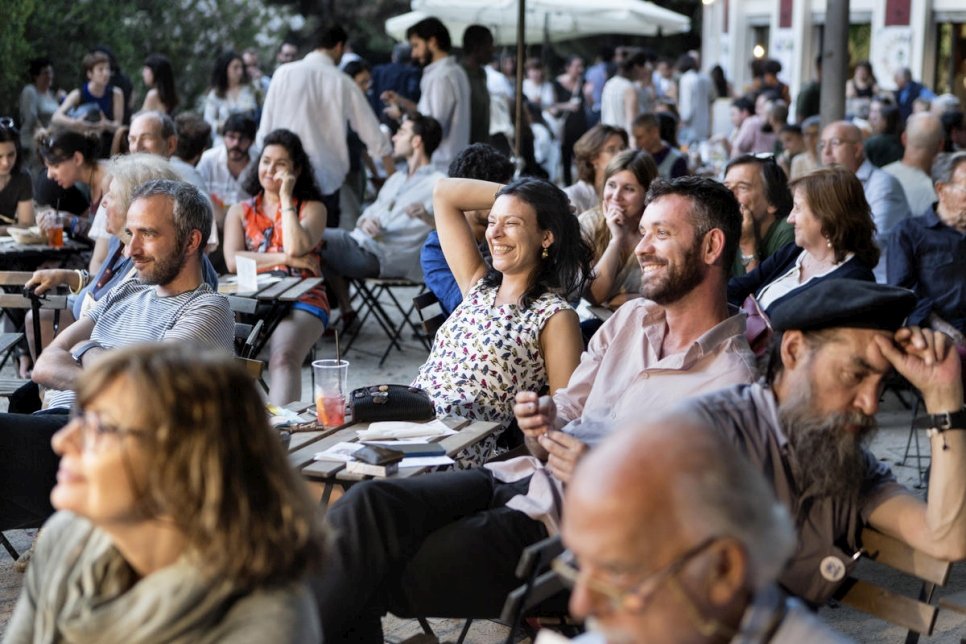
<point>190,32</point>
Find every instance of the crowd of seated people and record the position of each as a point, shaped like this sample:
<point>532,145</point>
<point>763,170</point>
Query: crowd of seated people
<point>753,477</point>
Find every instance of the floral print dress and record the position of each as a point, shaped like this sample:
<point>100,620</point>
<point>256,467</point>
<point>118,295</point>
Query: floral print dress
<point>482,356</point>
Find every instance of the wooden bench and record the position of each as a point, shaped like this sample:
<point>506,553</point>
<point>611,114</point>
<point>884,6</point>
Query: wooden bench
<point>918,615</point>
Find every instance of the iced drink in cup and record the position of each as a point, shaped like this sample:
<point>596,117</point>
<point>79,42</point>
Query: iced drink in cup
<point>331,381</point>
<point>55,232</point>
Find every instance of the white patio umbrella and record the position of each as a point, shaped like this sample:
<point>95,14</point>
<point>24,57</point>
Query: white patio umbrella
<point>554,20</point>
<point>542,20</point>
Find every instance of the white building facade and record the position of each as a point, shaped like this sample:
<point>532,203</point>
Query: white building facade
<point>903,33</point>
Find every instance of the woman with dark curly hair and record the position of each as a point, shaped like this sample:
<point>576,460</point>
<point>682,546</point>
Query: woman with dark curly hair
<point>514,330</point>
<point>834,239</point>
<point>159,80</point>
<point>231,92</point>
<point>281,228</point>
<point>179,517</point>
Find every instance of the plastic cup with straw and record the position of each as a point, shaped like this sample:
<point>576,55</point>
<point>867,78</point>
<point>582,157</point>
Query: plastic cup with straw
<point>331,385</point>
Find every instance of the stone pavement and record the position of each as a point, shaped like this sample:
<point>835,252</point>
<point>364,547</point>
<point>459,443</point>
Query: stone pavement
<point>888,445</point>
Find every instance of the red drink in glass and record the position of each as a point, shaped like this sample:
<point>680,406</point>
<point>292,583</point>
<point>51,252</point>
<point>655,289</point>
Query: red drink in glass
<point>330,410</point>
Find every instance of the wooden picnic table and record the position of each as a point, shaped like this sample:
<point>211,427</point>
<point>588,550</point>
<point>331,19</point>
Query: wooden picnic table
<point>304,446</point>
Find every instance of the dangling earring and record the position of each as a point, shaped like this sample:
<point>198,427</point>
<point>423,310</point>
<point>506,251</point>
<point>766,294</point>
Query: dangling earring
<point>828,242</point>
<point>544,254</point>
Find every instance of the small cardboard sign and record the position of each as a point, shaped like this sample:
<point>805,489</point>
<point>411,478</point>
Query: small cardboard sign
<point>247,274</point>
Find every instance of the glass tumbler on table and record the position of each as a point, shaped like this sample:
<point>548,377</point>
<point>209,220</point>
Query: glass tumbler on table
<point>331,383</point>
<point>55,232</point>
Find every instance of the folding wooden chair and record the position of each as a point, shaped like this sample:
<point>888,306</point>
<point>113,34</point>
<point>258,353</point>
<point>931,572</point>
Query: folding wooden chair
<point>918,615</point>
<point>425,303</point>
<point>19,300</point>
<point>246,339</point>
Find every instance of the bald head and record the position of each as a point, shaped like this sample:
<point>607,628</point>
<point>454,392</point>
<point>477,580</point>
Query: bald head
<point>676,478</point>
<point>841,144</point>
<point>670,493</point>
<point>924,132</point>
<point>153,133</point>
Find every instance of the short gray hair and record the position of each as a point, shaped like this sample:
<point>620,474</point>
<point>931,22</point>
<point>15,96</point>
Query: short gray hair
<point>729,497</point>
<point>168,128</point>
<point>128,172</point>
<point>191,208</point>
<point>944,167</point>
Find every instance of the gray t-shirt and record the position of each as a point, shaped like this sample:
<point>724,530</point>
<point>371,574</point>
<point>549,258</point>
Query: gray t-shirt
<point>134,313</point>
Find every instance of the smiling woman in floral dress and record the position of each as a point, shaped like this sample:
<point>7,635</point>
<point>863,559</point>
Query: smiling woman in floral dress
<point>514,330</point>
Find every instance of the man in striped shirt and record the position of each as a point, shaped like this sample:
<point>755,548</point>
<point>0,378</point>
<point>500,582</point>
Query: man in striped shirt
<point>168,223</point>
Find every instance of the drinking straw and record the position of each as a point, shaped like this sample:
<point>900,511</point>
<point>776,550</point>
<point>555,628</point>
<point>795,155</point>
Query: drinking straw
<point>338,359</point>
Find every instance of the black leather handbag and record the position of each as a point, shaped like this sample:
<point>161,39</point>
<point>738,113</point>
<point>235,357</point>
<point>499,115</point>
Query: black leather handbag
<point>390,402</point>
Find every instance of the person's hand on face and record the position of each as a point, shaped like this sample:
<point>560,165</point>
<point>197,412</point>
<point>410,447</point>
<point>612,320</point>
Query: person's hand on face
<point>287,181</point>
<point>930,362</point>
<point>747,220</point>
<point>614,216</point>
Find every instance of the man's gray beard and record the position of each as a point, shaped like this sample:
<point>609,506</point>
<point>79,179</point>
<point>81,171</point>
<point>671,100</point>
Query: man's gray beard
<point>829,457</point>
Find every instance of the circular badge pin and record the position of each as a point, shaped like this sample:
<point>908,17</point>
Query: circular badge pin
<point>832,569</point>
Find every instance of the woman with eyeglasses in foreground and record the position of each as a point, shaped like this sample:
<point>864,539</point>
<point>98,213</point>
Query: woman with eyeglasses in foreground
<point>834,239</point>
<point>179,517</point>
<point>16,190</point>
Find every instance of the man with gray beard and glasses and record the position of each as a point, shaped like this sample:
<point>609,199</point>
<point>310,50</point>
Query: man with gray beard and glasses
<point>807,425</point>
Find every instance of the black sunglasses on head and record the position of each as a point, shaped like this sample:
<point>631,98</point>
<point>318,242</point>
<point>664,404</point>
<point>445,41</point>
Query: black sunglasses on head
<point>7,123</point>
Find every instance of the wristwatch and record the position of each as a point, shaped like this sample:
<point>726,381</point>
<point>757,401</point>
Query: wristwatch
<point>747,259</point>
<point>78,353</point>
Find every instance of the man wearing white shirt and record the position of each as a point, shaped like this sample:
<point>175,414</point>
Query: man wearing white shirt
<point>312,98</point>
<point>391,231</point>
<point>444,89</point>
<point>695,95</point>
<point>221,167</point>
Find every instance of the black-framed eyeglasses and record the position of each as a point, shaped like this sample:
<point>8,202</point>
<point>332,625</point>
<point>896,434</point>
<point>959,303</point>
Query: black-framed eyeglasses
<point>94,430</point>
<point>644,590</point>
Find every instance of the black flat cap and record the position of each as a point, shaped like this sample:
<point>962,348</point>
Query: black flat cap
<point>844,303</point>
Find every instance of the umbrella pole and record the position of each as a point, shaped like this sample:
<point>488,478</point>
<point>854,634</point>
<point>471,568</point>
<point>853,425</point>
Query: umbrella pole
<point>521,6</point>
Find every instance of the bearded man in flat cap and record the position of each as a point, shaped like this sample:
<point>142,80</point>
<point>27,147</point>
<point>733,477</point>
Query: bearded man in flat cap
<point>807,426</point>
